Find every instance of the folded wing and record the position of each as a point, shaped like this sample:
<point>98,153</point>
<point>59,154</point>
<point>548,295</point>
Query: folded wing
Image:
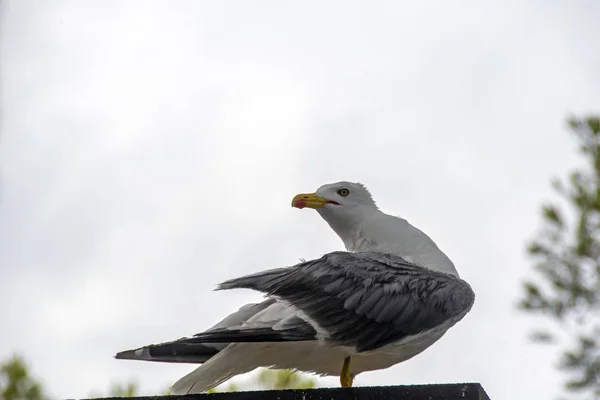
<point>365,300</point>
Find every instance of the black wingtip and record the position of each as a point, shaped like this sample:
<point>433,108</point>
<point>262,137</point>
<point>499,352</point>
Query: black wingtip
<point>253,335</point>
<point>126,355</point>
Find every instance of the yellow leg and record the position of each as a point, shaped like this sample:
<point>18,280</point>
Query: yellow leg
<point>345,376</point>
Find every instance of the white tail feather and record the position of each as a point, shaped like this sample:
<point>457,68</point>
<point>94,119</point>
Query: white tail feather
<point>215,371</point>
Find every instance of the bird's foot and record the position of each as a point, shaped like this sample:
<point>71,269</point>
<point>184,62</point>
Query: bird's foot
<point>346,377</point>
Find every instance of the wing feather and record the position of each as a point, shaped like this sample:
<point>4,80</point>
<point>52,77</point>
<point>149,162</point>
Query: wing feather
<point>366,299</point>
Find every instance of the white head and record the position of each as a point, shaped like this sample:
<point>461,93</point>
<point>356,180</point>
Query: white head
<point>342,204</point>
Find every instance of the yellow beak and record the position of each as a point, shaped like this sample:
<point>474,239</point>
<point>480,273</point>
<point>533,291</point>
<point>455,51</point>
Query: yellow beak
<point>310,200</point>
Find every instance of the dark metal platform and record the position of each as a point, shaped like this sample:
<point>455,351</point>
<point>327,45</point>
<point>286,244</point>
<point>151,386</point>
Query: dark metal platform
<point>458,391</point>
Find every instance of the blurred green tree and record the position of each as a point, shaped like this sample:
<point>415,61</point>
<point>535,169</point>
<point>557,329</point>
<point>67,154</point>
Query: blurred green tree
<point>274,379</point>
<point>567,256</point>
<point>285,379</point>
<point>120,390</point>
<point>16,383</point>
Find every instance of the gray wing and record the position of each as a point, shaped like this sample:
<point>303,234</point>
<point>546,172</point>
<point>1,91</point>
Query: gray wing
<point>365,300</point>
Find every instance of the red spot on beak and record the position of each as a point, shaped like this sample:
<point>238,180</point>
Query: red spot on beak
<point>300,204</point>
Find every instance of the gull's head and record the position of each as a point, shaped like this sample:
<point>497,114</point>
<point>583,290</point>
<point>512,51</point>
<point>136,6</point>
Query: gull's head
<point>340,203</point>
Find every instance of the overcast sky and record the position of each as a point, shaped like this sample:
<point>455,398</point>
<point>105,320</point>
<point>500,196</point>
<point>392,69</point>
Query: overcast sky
<point>150,150</point>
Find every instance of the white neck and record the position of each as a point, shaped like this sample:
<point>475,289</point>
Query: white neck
<point>347,224</point>
<point>370,230</point>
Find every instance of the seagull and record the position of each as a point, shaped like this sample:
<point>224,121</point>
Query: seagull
<point>391,295</point>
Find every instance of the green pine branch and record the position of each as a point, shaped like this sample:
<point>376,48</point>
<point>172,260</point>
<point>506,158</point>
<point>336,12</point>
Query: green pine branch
<point>566,256</point>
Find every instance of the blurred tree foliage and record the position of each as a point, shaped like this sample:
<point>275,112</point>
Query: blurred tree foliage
<point>16,383</point>
<point>567,256</point>
<point>118,390</point>
<point>128,390</point>
<point>274,379</point>
<point>285,379</point>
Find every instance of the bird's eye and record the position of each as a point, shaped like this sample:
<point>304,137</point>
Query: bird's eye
<point>343,192</point>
